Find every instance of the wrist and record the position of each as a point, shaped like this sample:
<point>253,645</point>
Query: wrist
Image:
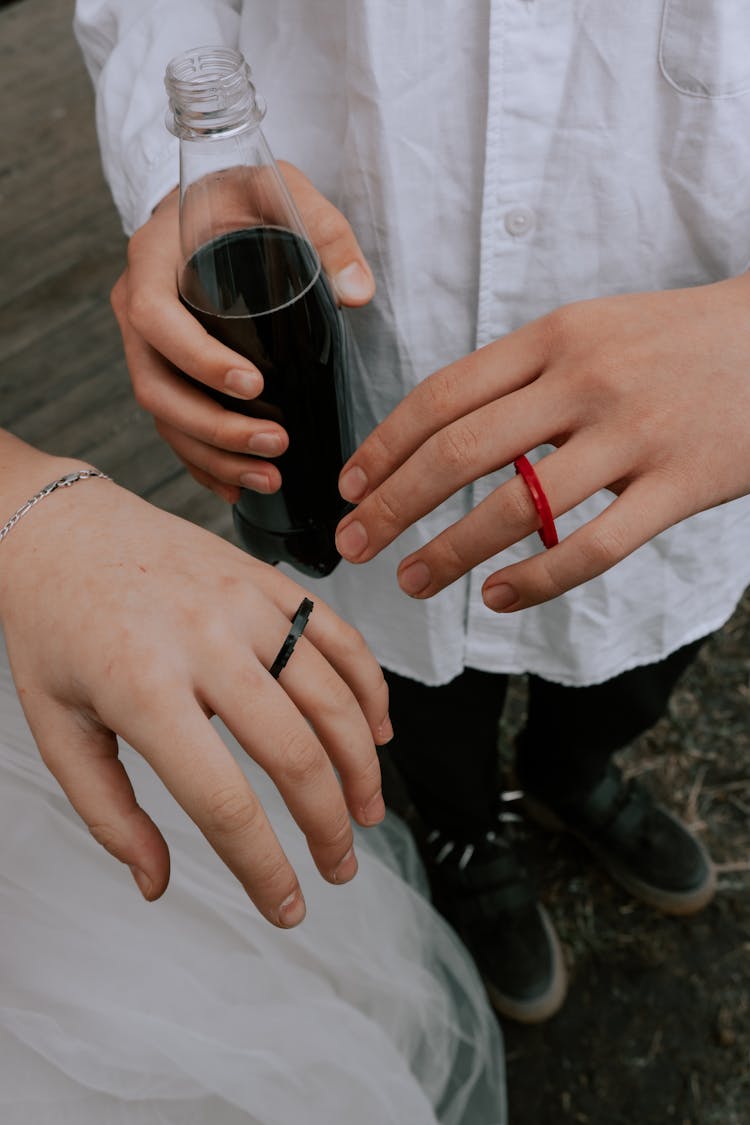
<point>24,470</point>
<point>24,474</point>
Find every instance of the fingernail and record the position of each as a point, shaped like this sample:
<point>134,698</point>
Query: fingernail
<point>258,482</point>
<point>267,445</point>
<point>385,731</point>
<point>292,909</point>
<point>243,384</point>
<point>414,578</point>
<point>353,483</point>
<point>353,283</point>
<point>347,868</point>
<point>145,886</point>
<point>351,540</point>
<point>499,597</point>
<point>374,811</point>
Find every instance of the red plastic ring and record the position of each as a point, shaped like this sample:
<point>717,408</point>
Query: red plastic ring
<point>548,531</point>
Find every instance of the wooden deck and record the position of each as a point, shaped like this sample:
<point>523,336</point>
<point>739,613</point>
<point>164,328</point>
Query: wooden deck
<point>63,381</point>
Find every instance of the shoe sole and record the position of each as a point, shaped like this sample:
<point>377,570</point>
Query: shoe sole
<point>666,902</point>
<point>542,1007</point>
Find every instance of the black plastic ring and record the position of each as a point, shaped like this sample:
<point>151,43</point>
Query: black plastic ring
<point>299,621</point>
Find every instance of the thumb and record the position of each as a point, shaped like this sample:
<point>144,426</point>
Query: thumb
<point>333,238</point>
<point>82,756</point>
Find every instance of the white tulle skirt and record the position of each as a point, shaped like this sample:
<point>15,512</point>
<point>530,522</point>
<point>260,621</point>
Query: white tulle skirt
<point>193,1010</point>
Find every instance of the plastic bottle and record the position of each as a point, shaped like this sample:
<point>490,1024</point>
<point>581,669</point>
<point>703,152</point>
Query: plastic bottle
<point>253,279</point>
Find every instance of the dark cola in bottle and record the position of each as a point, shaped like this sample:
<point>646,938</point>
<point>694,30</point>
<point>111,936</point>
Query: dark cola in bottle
<point>252,278</point>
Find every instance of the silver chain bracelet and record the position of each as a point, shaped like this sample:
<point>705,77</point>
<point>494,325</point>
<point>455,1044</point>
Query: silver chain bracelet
<point>63,482</point>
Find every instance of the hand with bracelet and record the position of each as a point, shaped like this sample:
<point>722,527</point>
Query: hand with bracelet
<point>122,620</point>
<point>647,395</point>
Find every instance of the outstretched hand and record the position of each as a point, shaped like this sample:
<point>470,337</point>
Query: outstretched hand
<point>647,395</point>
<point>162,339</point>
<point>123,620</point>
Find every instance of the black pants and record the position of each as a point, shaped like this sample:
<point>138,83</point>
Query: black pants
<point>445,747</point>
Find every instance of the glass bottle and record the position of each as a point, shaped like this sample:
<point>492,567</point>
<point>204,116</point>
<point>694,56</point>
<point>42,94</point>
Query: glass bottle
<point>253,279</point>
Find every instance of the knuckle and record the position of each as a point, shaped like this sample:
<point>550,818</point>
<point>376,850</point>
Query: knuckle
<point>335,832</point>
<point>602,548</point>
<point>351,642</point>
<point>441,391</point>
<point>355,653</point>
<point>375,450</point>
<point>167,433</point>
<point>215,430</point>
<point>518,508</point>
<point>386,512</point>
<point>145,392</point>
<point>107,836</point>
<point>273,880</point>
<point>329,225</point>
<point>600,376</point>
<point>140,309</point>
<point>337,696</point>
<point>232,811</point>
<point>148,682</point>
<point>118,296</point>
<point>370,777</point>
<point>562,326</point>
<point>299,761</point>
<point>548,583</point>
<point>451,559</point>
<point>379,685</point>
<point>457,446</point>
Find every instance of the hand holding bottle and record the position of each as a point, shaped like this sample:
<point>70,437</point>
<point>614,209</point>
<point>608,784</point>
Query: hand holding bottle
<point>647,395</point>
<point>161,338</point>
<point>121,619</point>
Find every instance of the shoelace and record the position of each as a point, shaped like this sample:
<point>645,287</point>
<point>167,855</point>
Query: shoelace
<point>442,848</point>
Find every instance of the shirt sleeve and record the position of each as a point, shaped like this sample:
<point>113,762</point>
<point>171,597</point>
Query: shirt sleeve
<point>126,45</point>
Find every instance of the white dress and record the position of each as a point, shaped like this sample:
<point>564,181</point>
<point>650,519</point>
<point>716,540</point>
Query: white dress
<point>194,1010</point>
<point>497,159</point>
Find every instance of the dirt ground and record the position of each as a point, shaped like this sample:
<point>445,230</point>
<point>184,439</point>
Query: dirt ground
<point>656,1027</point>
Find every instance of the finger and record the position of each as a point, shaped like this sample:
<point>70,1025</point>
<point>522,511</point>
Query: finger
<point>146,300</point>
<point>342,645</point>
<point>329,704</point>
<point>223,491</point>
<point>150,302</point>
<point>266,723</point>
<point>462,387</point>
<point>175,402</point>
<point>83,758</point>
<point>228,468</point>
<point>466,449</point>
<point>345,649</point>
<point>568,476</point>
<point>645,508</point>
<point>200,772</point>
<point>333,238</point>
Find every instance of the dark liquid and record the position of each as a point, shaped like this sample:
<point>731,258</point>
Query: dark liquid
<point>300,348</point>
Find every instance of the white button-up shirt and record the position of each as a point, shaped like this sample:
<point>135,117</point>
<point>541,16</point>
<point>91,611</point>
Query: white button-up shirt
<point>496,158</point>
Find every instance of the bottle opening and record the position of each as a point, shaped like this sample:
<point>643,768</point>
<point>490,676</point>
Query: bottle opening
<point>210,91</point>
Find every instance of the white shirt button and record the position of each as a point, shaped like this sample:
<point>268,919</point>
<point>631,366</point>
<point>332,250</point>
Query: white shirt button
<point>519,221</point>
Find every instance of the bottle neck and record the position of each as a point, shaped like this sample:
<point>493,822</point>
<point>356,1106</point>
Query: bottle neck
<point>211,94</point>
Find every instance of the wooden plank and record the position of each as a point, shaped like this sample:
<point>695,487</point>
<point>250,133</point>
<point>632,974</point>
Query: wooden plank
<point>63,380</point>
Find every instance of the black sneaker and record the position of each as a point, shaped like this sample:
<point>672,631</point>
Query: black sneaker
<point>484,893</point>
<point>642,846</point>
